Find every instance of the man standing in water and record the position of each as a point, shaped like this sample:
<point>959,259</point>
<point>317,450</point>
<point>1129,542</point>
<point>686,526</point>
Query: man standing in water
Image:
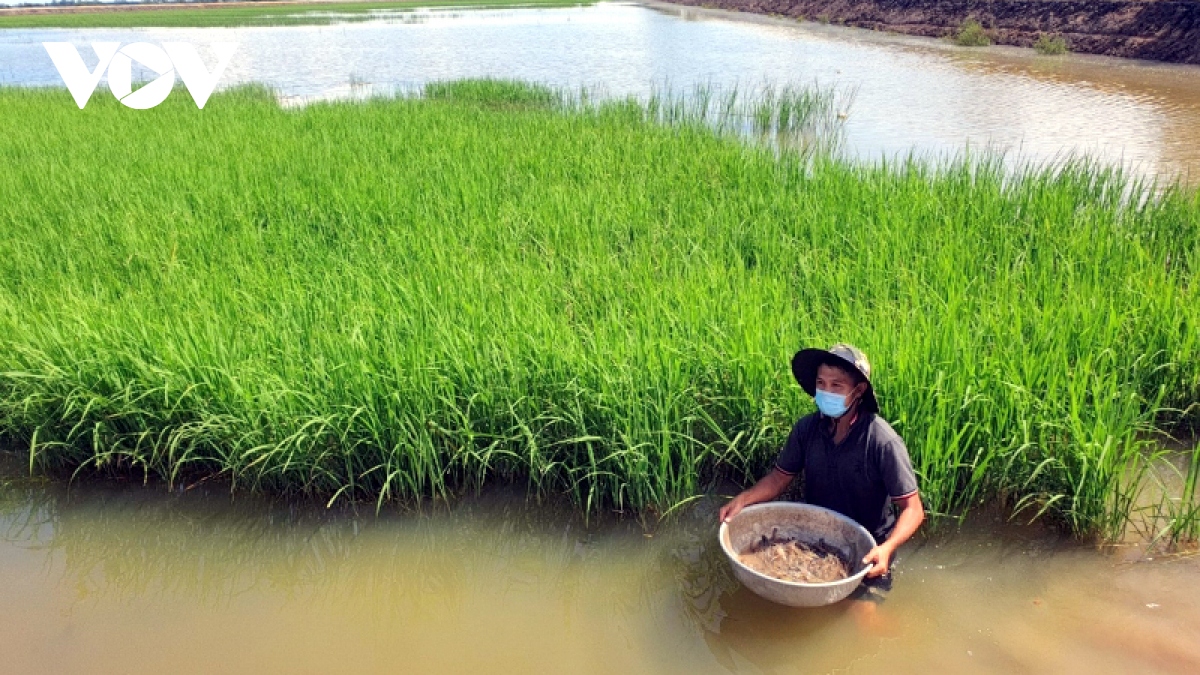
<point>852,460</point>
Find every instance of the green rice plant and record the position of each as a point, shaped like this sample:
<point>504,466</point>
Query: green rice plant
<point>411,296</point>
<point>971,34</point>
<point>1185,523</point>
<point>259,13</point>
<point>1173,514</point>
<point>1050,45</point>
<point>495,93</point>
<point>764,112</point>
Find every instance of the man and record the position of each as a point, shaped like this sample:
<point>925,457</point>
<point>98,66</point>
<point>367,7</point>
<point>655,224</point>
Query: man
<point>852,460</point>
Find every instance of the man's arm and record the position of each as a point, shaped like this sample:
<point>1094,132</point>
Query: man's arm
<point>912,514</point>
<point>769,487</point>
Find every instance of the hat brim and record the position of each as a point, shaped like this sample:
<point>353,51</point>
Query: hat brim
<point>804,368</point>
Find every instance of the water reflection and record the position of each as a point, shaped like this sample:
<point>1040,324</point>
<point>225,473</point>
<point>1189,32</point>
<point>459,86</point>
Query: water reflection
<point>210,549</point>
<point>513,574</point>
<point>95,574</point>
<point>911,95</point>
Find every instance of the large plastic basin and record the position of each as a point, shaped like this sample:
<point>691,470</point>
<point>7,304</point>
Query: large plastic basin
<point>806,523</point>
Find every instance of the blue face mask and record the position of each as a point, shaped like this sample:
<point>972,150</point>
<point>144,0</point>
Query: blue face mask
<point>831,404</point>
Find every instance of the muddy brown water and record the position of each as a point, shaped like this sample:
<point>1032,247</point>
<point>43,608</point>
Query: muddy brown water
<point>118,578</point>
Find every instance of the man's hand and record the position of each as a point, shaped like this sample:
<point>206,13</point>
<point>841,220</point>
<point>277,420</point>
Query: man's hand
<point>769,487</point>
<point>732,507</point>
<point>912,513</point>
<point>882,557</point>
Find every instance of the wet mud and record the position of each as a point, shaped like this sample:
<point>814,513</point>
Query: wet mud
<point>794,560</point>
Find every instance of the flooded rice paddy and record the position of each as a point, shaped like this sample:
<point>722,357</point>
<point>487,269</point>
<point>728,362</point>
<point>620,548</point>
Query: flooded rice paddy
<point>121,578</point>
<point>909,94</point>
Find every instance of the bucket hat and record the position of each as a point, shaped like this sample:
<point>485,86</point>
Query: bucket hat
<point>847,357</point>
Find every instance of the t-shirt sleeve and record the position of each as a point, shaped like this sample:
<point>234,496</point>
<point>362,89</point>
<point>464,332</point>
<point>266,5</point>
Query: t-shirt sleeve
<point>791,457</point>
<point>898,475</point>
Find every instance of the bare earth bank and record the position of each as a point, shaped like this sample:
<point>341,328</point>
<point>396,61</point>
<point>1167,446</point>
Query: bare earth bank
<point>1160,30</point>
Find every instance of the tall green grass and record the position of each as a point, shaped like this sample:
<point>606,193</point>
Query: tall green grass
<point>407,297</point>
<point>257,13</point>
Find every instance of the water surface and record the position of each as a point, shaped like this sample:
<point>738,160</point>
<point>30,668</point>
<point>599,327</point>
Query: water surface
<point>125,579</point>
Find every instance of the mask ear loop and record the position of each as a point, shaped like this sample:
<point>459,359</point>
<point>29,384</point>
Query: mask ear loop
<point>858,399</point>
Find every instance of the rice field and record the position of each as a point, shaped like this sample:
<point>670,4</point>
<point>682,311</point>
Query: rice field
<point>247,13</point>
<point>413,296</point>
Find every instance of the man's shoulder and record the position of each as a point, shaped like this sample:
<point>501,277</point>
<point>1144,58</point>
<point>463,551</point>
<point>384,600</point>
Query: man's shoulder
<point>805,423</point>
<point>882,433</point>
<point>791,457</point>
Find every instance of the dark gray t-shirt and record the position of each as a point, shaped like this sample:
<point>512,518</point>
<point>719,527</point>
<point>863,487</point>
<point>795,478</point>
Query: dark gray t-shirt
<point>858,478</point>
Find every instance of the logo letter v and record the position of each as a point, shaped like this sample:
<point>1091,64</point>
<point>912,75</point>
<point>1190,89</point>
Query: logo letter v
<point>75,75</point>
<point>198,80</point>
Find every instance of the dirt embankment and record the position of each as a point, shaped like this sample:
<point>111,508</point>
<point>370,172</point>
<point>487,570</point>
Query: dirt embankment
<point>1162,30</point>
